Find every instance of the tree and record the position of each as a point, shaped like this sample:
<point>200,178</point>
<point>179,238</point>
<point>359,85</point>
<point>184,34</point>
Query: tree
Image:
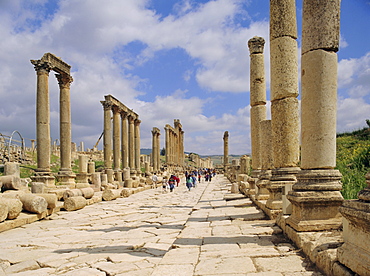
<point>163,152</point>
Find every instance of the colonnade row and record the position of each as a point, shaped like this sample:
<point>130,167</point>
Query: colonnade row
<point>43,67</point>
<point>121,138</point>
<point>175,144</point>
<point>309,193</point>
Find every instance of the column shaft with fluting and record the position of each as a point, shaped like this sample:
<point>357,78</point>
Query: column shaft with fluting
<point>283,95</point>
<point>316,196</point>
<point>107,138</point>
<point>43,117</point>
<point>65,122</point>
<point>137,145</point>
<point>124,139</point>
<point>155,149</point>
<point>116,138</point>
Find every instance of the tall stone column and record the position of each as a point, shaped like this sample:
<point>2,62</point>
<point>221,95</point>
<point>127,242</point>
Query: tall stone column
<point>226,149</point>
<point>116,139</point>
<point>107,138</point>
<point>182,149</point>
<point>167,144</point>
<point>43,117</point>
<point>65,175</point>
<point>43,173</point>
<point>316,196</point>
<point>266,160</point>
<point>131,143</point>
<point>155,149</point>
<point>284,102</point>
<point>125,138</point>
<point>257,103</point>
<point>137,146</point>
<point>158,155</point>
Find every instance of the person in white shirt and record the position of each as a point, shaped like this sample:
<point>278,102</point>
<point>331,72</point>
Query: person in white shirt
<point>155,180</point>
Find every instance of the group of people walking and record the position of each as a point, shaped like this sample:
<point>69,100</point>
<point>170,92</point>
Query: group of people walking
<point>191,179</point>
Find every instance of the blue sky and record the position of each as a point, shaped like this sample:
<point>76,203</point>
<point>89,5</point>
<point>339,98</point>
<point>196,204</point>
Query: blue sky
<point>166,59</point>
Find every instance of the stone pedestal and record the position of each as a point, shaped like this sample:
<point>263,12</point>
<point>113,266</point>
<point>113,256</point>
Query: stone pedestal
<point>280,177</point>
<point>66,178</point>
<point>262,184</point>
<point>316,198</point>
<point>47,179</point>
<point>355,252</point>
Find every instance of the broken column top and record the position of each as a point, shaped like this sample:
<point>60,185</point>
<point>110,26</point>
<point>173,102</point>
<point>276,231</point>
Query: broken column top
<point>256,45</point>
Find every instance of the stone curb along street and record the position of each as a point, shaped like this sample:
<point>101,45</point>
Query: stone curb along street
<point>207,231</point>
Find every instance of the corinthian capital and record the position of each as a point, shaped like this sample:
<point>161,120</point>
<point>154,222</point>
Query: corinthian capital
<point>64,80</point>
<point>41,66</point>
<point>107,105</point>
<point>256,45</point>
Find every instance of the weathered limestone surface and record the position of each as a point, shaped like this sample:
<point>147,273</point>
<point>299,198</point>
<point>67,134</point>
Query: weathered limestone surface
<point>10,182</point>
<point>320,25</point>
<point>284,68</point>
<point>74,203</point>
<point>13,207</point>
<point>33,203</point>
<point>318,143</point>
<point>285,132</point>
<point>283,19</point>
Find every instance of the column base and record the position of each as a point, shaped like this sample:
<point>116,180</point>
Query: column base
<point>280,177</point>
<point>262,183</point>
<point>47,179</point>
<point>66,178</point>
<point>315,200</point>
<point>355,252</point>
<point>110,175</point>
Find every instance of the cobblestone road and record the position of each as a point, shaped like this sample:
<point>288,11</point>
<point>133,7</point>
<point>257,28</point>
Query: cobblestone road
<point>206,231</point>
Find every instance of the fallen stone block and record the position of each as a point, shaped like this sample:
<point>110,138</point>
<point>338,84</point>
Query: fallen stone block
<point>3,211</point>
<point>58,192</point>
<point>10,182</point>
<point>14,206</point>
<point>12,168</point>
<point>126,192</point>
<point>87,192</point>
<point>74,203</point>
<point>51,199</point>
<point>110,194</point>
<point>37,187</point>
<point>33,203</point>
<point>71,193</point>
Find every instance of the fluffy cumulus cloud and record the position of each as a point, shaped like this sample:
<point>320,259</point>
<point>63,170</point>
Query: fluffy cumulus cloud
<point>354,88</point>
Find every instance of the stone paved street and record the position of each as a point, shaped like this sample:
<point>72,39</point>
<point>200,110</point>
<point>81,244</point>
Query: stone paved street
<point>206,231</point>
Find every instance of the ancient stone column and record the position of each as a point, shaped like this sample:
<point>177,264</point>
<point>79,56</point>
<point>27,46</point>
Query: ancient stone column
<point>155,149</point>
<point>107,138</point>
<point>65,172</point>
<point>316,196</point>
<point>182,149</point>
<point>284,102</point>
<point>167,144</point>
<point>266,160</point>
<point>42,116</point>
<point>137,145</point>
<point>116,138</point>
<point>131,142</point>
<point>257,103</point>
<point>32,144</point>
<point>158,154</point>
<point>226,149</point>
<point>124,141</point>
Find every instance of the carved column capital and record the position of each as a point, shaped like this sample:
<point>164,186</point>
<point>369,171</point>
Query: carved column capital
<point>64,80</point>
<point>107,105</point>
<point>115,109</point>
<point>124,114</point>
<point>137,122</point>
<point>256,45</point>
<point>41,66</point>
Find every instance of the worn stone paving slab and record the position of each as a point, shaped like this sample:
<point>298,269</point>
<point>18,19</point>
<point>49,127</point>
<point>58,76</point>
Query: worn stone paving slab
<point>207,231</point>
